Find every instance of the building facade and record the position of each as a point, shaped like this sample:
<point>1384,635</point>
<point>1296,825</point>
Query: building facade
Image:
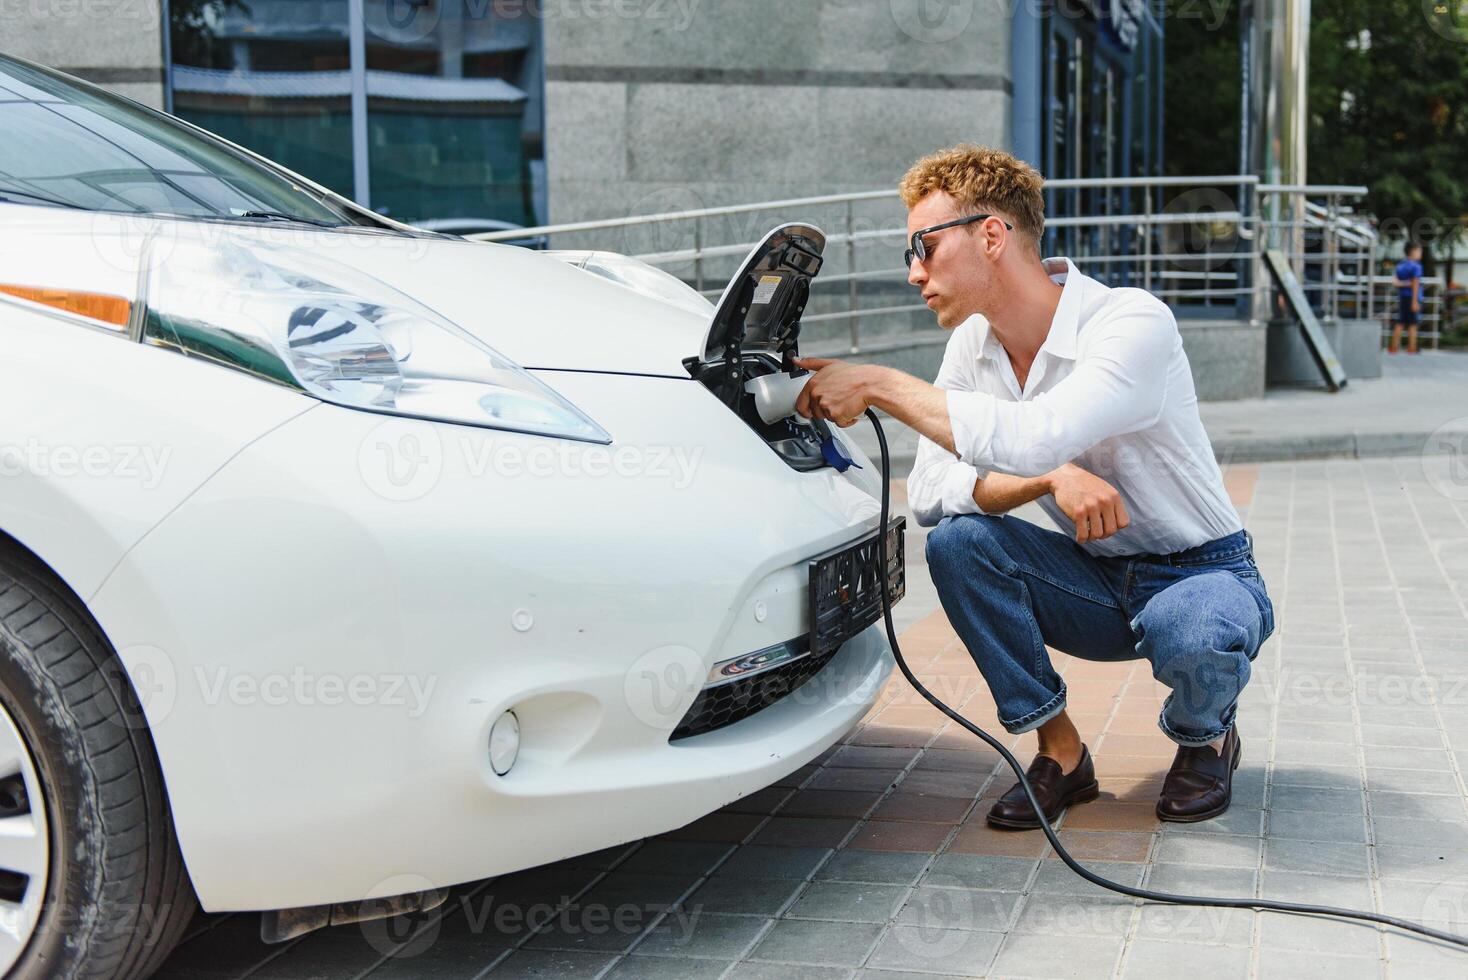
<point>529,111</point>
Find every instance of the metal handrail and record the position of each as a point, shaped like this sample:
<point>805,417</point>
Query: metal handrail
<point>1189,258</point>
<point>598,224</point>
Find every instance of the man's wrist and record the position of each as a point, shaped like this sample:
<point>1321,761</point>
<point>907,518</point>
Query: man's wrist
<point>876,389</point>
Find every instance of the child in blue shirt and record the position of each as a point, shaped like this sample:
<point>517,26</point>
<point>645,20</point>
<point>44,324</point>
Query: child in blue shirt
<point>1409,298</point>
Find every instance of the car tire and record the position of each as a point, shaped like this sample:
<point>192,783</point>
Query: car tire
<point>116,896</point>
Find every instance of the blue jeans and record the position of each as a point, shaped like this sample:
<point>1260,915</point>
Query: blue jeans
<point>1011,588</point>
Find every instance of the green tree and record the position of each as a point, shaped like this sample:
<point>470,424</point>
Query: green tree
<point>1388,104</point>
<point>1388,93</point>
<point>1200,96</point>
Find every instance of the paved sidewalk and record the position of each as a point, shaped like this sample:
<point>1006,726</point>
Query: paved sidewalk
<point>875,861</point>
<point>1394,414</point>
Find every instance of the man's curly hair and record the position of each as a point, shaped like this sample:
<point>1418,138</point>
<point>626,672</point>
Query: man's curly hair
<point>981,179</point>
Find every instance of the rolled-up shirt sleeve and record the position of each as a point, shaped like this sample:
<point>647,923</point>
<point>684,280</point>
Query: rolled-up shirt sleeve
<point>941,484</point>
<point>1119,385</point>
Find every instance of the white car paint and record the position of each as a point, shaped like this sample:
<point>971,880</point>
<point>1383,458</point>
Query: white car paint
<point>324,610</point>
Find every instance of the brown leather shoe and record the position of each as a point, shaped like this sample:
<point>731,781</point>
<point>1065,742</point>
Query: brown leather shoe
<point>1199,785</point>
<point>1053,789</point>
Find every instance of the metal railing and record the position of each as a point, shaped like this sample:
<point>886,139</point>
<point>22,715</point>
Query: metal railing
<point>1196,242</point>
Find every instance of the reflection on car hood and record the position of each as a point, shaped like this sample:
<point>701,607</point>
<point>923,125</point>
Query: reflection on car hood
<point>536,310</point>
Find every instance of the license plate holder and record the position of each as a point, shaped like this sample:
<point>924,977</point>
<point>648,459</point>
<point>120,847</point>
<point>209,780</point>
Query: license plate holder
<point>844,587</point>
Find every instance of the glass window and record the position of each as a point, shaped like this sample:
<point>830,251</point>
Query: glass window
<point>75,145</point>
<point>453,121</point>
<point>451,128</point>
<point>270,75</point>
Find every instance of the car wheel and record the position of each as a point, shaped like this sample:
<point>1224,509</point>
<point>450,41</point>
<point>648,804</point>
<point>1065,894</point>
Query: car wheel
<point>92,884</point>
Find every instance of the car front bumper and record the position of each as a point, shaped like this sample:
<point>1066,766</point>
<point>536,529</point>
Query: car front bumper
<point>322,638</point>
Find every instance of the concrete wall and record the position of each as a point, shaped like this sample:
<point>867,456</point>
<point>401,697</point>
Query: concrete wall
<point>1227,358</point>
<point>116,43</point>
<point>1357,345</point>
<point>694,103</point>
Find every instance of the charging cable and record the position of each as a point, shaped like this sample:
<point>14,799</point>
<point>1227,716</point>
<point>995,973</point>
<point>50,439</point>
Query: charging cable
<point>1260,904</point>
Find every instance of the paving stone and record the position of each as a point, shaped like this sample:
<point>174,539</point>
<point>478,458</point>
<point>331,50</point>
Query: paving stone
<point>958,908</point>
<point>1316,935</point>
<point>766,861</point>
<point>849,901</point>
<point>982,871</point>
<point>1429,863</point>
<point>1197,926</point>
<point>666,968</point>
<point>1148,959</point>
<point>879,867</point>
<point>1316,857</point>
<point>1217,850</point>
<point>781,971</point>
<point>674,857</point>
<point>733,895</point>
<point>874,757</point>
<point>1055,878</point>
<point>804,832</point>
<point>1098,914</point>
<point>960,952</point>
<point>1292,886</point>
<point>1401,830</point>
<point>1348,827</point>
<point>806,941</point>
<point>701,934</point>
<point>855,778</point>
<point>900,835</point>
<point>1314,799</point>
<point>1077,956</point>
<point>557,964</point>
<point>1190,879</point>
<point>1287,965</point>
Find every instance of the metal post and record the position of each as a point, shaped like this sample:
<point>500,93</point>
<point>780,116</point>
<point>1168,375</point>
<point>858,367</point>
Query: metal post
<point>357,57</point>
<point>698,254</point>
<point>1147,239</point>
<point>1439,304</point>
<point>1371,281</point>
<point>851,280</point>
<point>1328,300</point>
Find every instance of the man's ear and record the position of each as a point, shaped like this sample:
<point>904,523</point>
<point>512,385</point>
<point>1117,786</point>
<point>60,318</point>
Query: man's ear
<point>996,238</point>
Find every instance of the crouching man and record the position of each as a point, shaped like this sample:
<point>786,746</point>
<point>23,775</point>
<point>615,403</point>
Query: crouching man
<point>1059,389</point>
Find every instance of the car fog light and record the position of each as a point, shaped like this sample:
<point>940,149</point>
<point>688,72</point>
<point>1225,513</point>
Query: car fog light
<point>504,743</point>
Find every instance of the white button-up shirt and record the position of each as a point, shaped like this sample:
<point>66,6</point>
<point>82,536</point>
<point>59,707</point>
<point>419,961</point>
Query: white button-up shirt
<point>1110,391</point>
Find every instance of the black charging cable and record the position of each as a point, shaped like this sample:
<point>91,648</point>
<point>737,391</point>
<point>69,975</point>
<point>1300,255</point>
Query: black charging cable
<point>1261,904</point>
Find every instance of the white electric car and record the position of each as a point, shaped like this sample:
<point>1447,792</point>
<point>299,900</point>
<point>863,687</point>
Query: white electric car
<point>341,561</point>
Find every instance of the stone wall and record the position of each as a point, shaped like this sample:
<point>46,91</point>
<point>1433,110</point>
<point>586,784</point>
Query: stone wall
<point>117,44</point>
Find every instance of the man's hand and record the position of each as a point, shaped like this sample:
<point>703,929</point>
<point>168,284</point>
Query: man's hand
<point>1093,504</point>
<point>838,392</point>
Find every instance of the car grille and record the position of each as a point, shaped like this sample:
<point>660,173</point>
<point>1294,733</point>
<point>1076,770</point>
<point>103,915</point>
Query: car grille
<point>725,704</point>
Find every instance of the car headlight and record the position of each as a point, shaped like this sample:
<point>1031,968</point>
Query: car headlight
<point>296,319</point>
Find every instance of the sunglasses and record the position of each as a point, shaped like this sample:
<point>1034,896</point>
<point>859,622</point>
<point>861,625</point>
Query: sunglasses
<point>920,251</point>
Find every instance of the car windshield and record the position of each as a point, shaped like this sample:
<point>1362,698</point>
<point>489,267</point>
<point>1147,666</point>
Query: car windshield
<point>67,144</point>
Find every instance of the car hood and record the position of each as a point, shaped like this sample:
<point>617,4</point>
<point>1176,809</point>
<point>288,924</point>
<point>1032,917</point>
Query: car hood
<point>539,311</point>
